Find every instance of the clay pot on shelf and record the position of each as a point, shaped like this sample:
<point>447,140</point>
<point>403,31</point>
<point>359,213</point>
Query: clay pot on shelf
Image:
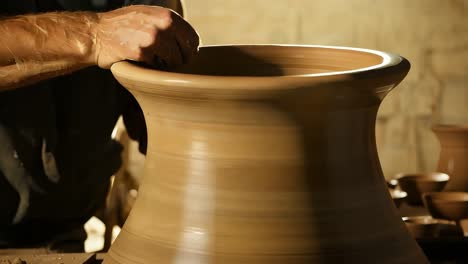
<point>398,196</point>
<point>392,184</point>
<point>453,158</point>
<point>422,226</point>
<point>451,206</point>
<point>418,183</point>
<point>264,154</point>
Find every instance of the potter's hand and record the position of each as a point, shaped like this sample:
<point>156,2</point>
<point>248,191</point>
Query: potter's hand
<point>143,33</point>
<point>42,46</point>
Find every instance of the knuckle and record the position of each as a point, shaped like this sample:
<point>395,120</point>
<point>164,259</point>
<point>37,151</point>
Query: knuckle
<point>166,19</point>
<point>150,40</point>
<point>146,38</point>
<point>139,55</point>
<point>153,33</point>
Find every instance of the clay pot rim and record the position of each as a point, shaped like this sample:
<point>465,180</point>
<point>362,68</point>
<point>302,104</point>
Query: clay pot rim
<point>153,81</point>
<point>450,127</point>
<point>422,220</point>
<point>447,197</point>
<point>423,177</point>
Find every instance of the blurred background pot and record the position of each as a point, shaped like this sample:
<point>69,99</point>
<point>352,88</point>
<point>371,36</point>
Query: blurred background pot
<point>422,226</point>
<point>398,196</point>
<point>418,183</point>
<point>453,158</point>
<point>451,206</point>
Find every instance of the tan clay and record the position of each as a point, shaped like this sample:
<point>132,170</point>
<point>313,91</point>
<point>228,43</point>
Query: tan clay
<point>453,158</point>
<point>264,155</point>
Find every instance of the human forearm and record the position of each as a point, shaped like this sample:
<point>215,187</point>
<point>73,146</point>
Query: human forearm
<point>36,47</point>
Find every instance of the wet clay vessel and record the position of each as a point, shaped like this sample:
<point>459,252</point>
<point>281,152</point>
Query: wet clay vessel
<point>418,183</point>
<point>264,155</point>
<point>453,158</point>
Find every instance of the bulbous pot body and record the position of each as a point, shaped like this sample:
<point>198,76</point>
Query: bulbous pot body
<point>453,158</point>
<point>264,154</point>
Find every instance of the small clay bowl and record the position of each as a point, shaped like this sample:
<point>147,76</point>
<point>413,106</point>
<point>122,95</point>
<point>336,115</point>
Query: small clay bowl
<point>422,226</point>
<point>398,196</point>
<point>451,206</point>
<point>417,184</point>
<point>392,184</point>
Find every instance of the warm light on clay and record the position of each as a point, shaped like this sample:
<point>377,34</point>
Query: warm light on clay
<point>264,154</point>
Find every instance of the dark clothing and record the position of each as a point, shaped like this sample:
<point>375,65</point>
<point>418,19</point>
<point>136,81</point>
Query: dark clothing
<point>65,124</point>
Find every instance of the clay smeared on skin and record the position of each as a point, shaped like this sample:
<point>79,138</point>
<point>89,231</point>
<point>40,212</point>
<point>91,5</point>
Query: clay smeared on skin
<point>116,28</point>
<point>160,32</point>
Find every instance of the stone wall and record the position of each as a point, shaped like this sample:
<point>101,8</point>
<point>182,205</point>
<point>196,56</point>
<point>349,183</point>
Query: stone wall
<point>432,34</point>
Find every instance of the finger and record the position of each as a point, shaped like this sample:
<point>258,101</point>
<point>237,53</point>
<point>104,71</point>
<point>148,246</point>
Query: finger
<point>164,51</point>
<point>186,36</point>
<point>168,50</point>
